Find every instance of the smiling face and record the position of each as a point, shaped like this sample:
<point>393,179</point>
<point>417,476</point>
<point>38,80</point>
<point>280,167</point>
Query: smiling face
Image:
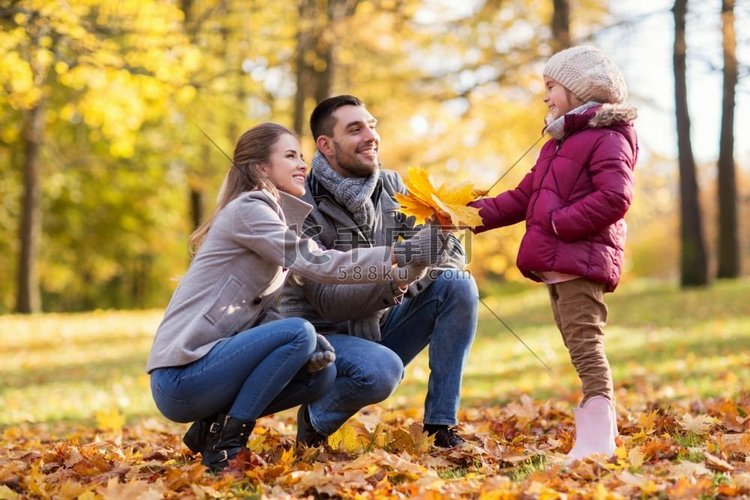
<point>285,167</point>
<point>352,150</point>
<point>558,99</point>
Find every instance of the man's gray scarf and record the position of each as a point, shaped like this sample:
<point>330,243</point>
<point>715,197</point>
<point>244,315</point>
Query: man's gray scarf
<point>353,193</point>
<point>556,128</point>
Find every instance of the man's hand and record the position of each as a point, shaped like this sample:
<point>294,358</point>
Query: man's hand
<point>323,356</point>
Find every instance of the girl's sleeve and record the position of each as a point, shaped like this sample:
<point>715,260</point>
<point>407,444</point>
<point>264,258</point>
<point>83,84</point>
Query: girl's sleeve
<point>506,208</point>
<point>611,169</point>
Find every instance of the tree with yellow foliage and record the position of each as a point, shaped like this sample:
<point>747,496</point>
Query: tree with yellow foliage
<point>92,64</point>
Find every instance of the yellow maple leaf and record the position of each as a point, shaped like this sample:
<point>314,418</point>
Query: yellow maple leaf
<point>7,493</point>
<point>345,439</point>
<point>445,203</point>
<point>459,193</point>
<point>35,481</point>
<point>256,443</point>
<point>411,206</point>
<point>600,492</point>
<point>287,457</point>
<point>460,214</point>
<point>621,453</point>
<point>636,457</point>
<point>647,422</point>
<point>110,420</point>
<point>419,183</point>
<point>380,437</point>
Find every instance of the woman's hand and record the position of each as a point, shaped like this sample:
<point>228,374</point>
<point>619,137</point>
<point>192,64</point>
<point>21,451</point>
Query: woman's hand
<point>323,356</point>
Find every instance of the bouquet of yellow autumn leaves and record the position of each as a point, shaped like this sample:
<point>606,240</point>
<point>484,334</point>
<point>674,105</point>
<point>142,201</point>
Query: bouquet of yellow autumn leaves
<point>444,204</point>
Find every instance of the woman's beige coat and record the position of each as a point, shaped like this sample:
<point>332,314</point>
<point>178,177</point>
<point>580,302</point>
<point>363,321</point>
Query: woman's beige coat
<point>236,277</point>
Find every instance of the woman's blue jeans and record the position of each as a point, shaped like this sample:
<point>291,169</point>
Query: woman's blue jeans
<point>251,374</point>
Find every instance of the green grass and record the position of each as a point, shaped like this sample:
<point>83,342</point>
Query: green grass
<point>66,367</point>
<point>660,340</point>
<point>456,473</point>
<point>524,469</point>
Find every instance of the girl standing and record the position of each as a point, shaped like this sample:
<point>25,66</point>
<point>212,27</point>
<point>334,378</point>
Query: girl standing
<point>573,201</point>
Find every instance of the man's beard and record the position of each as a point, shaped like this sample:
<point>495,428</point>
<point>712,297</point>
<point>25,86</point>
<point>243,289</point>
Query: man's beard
<point>353,165</point>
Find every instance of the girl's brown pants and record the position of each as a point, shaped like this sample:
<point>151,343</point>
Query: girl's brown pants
<point>580,313</point>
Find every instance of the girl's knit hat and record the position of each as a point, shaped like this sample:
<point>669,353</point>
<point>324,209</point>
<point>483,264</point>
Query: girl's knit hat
<point>588,73</point>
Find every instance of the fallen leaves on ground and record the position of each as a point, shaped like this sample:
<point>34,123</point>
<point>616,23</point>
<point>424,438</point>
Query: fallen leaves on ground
<point>446,203</point>
<point>680,449</point>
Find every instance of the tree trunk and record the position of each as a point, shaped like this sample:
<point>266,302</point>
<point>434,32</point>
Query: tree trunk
<point>324,46</point>
<point>28,299</point>
<point>324,77</point>
<point>197,207</point>
<point>305,44</point>
<point>729,245</point>
<point>196,191</point>
<point>314,40</point>
<point>693,261</point>
<point>560,25</point>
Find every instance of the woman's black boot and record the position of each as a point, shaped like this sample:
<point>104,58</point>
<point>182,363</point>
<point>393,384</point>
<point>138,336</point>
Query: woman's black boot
<point>225,445</point>
<point>201,432</point>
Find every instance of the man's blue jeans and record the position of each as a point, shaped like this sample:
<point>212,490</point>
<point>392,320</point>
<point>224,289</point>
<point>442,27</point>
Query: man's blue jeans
<point>443,316</point>
<point>251,374</point>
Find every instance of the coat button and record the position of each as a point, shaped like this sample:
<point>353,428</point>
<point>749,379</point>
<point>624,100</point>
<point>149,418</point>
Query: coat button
<point>257,300</point>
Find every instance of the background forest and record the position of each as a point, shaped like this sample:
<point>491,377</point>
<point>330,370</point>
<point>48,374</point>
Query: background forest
<point>107,108</point>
